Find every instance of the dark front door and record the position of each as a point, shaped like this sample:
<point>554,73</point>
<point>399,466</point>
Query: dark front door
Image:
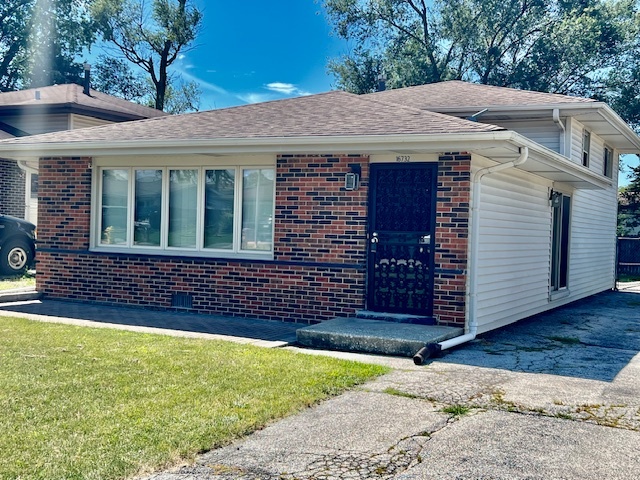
<point>402,208</point>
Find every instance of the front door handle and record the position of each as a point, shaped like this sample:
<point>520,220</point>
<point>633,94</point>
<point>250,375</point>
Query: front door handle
<point>374,242</point>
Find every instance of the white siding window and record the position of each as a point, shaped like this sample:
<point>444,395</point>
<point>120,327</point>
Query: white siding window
<point>560,241</point>
<point>197,211</point>
<point>608,162</point>
<point>586,147</point>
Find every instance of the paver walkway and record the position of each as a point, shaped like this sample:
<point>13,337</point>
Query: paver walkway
<point>258,332</point>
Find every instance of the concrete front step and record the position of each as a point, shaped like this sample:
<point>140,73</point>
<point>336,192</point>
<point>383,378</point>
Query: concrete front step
<point>396,317</point>
<point>19,295</point>
<point>373,336</point>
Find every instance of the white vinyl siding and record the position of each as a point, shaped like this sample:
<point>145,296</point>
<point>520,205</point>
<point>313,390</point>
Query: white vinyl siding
<point>514,250</point>
<point>596,148</point>
<point>596,157</point>
<point>544,132</point>
<point>593,242</point>
<point>514,260</point>
<point>576,142</point>
<point>36,124</point>
<point>81,121</point>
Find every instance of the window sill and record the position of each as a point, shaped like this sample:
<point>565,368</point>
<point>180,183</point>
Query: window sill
<point>186,253</point>
<point>559,294</point>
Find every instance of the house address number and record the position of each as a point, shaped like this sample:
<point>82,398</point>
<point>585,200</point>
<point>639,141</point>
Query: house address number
<point>403,158</point>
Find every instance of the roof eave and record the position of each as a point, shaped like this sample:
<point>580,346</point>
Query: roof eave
<point>68,108</point>
<point>222,146</point>
<point>565,109</point>
<point>508,142</point>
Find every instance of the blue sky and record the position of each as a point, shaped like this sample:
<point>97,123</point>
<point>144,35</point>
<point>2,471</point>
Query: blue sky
<point>253,51</point>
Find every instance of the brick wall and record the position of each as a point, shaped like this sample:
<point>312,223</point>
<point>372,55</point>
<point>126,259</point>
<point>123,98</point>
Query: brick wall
<point>64,203</point>
<point>316,218</point>
<point>319,265</point>
<point>12,188</point>
<point>260,290</point>
<point>317,274</point>
<point>452,232</point>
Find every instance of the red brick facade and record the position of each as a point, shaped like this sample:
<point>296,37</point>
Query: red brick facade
<point>319,265</point>
<point>452,232</point>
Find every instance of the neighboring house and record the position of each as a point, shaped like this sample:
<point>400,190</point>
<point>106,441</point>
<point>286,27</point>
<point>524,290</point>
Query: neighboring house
<point>315,207</point>
<point>51,109</point>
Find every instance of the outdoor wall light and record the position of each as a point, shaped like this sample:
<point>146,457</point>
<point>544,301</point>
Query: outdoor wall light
<point>352,179</point>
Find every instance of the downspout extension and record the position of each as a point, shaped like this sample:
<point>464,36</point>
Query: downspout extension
<point>434,348</point>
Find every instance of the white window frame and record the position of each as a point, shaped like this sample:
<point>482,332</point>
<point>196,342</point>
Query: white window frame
<point>607,160</point>
<point>237,164</point>
<point>586,148</point>
<point>562,235</point>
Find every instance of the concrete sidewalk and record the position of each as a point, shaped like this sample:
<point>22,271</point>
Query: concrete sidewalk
<point>553,397</point>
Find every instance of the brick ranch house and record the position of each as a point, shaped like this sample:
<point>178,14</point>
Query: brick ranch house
<point>51,109</point>
<point>309,208</point>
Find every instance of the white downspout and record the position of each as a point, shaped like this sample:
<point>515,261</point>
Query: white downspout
<point>556,119</point>
<point>472,327</point>
<point>23,166</point>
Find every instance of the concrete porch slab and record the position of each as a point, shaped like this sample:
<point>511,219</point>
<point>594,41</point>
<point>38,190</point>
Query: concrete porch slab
<point>19,295</point>
<point>373,336</point>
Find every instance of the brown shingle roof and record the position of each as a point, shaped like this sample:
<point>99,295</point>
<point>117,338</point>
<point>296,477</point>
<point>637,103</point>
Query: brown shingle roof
<point>328,114</point>
<point>457,94</point>
<point>72,95</point>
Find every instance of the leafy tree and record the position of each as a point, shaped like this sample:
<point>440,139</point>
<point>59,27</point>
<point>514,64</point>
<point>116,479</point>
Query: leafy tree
<point>629,206</point>
<point>620,87</point>
<point>39,41</point>
<point>182,97</point>
<point>561,46</point>
<point>151,37</point>
<point>15,23</point>
<point>113,76</point>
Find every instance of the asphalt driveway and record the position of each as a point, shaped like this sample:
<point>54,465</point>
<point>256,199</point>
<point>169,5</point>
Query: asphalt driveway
<point>554,397</point>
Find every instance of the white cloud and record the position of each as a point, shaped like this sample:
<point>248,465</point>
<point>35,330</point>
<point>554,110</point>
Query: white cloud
<point>276,90</point>
<point>285,88</point>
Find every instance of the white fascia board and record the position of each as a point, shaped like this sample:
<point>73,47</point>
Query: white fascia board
<point>496,109</point>
<point>507,141</point>
<point>284,145</point>
<point>623,127</point>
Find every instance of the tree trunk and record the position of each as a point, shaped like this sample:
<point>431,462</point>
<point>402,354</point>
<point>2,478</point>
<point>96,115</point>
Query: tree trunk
<point>161,86</point>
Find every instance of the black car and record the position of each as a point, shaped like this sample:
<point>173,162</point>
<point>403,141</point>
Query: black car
<point>17,245</point>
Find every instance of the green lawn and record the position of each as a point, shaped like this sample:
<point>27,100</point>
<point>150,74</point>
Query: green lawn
<point>8,283</point>
<point>89,403</point>
<point>628,278</point>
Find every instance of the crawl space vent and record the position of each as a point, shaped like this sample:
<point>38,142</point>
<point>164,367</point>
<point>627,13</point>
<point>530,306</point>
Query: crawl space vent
<point>181,300</point>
